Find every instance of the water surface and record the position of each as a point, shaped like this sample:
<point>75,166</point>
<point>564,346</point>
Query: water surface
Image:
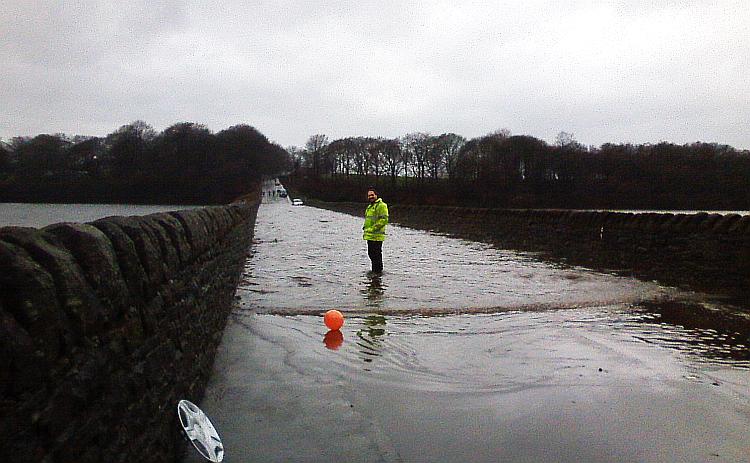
<point>463,352</point>
<point>307,259</point>
<point>40,215</point>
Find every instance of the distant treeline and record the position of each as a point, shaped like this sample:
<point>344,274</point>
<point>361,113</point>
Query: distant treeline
<point>184,164</point>
<point>500,170</point>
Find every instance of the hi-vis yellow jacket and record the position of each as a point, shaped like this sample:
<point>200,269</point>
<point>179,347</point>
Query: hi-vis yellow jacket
<point>376,218</point>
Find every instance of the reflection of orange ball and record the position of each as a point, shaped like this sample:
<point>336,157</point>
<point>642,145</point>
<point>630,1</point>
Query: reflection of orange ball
<point>333,319</point>
<point>333,339</point>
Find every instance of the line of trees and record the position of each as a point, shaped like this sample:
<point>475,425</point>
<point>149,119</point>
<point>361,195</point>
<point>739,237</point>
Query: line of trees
<point>503,170</point>
<point>184,164</point>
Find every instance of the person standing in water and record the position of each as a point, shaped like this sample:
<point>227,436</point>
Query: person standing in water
<point>376,218</point>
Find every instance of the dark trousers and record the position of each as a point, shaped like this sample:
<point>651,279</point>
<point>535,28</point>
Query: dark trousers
<point>375,251</point>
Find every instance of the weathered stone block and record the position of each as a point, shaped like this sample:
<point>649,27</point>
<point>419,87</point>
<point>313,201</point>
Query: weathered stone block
<point>146,245</point>
<point>694,222</point>
<point>742,226</point>
<point>226,224</point>
<point>211,226</point>
<point>165,246</point>
<point>196,230</point>
<point>669,225</point>
<point>178,235</point>
<point>726,222</point>
<point>22,369</point>
<point>27,292</point>
<point>709,221</point>
<point>96,256</point>
<point>127,256</point>
<point>82,309</point>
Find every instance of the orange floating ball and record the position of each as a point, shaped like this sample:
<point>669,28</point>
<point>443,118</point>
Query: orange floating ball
<point>333,319</point>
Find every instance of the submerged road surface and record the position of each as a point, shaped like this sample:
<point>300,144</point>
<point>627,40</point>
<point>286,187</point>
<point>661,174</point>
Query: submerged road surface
<point>462,352</point>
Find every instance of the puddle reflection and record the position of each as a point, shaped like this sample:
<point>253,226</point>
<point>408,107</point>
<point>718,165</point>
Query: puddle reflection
<point>374,288</point>
<point>370,337</point>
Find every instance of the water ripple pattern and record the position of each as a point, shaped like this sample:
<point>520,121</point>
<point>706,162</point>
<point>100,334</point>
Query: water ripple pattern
<point>463,352</point>
<point>307,259</point>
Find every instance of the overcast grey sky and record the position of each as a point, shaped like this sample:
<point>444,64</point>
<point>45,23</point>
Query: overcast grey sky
<point>619,71</point>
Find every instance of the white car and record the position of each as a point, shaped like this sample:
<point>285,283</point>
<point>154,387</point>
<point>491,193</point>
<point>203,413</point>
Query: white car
<point>297,202</point>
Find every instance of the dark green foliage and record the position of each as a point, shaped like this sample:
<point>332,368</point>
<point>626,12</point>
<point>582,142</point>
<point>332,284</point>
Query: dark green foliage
<point>4,158</point>
<point>184,164</point>
<point>499,170</point>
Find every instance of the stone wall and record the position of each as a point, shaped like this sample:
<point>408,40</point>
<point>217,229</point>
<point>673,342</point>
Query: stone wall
<point>707,252</point>
<point>105,326</point>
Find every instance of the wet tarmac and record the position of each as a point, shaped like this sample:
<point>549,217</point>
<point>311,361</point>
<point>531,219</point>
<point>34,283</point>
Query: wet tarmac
<point>463,352</point>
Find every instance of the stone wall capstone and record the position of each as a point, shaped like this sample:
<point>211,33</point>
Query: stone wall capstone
<point>105,326</point>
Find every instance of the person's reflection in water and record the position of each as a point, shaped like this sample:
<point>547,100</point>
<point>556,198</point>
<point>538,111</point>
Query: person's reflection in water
<point>374,289</point>
<point>333,339</point>
<point>370,342</point>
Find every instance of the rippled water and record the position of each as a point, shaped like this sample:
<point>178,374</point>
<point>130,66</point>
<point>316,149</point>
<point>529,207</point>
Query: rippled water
<point>463,352</point>
<point>499,352</point>
<point>308,259</point>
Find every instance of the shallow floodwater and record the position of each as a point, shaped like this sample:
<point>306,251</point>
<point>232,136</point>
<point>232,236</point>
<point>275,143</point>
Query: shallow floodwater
<point>463,352</point>
<point>307,259</point>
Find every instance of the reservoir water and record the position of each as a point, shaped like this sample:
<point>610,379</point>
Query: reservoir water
<point>40,215</point>
<point>463,352</point>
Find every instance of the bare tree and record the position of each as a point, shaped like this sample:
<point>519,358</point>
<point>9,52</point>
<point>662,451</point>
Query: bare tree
<point>296,155</point>
<point>392,155</point>
<point>359,152</point>
<point>501,134</point>
<point>348,153</point>
<point>334,155</point>
<point>375,147</point>
<point>565,139</point>
<point>434,158</point>
<point>450,145</point>
<point>417,147</point>
<point>315,149</point>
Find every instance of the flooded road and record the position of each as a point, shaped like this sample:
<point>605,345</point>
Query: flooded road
<point>307,259</point>
<point>462,352</point>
